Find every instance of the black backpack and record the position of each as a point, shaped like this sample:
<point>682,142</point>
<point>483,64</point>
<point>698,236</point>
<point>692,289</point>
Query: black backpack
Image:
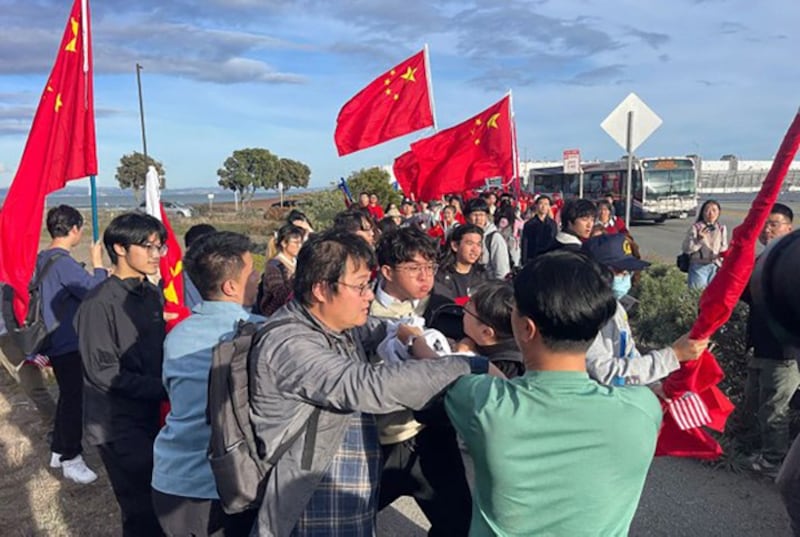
<point>238,458</point>
<point>31,336</point>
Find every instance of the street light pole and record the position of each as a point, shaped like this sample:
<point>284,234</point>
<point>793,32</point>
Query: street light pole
<point>141,111</point>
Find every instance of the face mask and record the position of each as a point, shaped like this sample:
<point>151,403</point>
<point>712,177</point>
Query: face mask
<point>621,285</point>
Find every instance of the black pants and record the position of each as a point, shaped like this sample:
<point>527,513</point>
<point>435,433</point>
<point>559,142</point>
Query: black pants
<point>194,517</point>
<point>68,423</point>
<point>429,468</point>
<point>129,464</point>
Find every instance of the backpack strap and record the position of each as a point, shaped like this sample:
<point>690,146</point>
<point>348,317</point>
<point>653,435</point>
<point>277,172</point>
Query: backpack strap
<point>311,424</point>
<point>39,276</point>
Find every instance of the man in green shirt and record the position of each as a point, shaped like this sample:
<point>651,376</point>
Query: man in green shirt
<point>555,452</point>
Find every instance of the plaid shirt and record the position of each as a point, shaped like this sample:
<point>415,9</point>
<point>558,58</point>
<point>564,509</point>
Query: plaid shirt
<point>344,503</point>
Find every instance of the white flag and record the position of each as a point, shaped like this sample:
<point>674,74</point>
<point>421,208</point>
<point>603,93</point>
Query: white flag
<point>152,195</point>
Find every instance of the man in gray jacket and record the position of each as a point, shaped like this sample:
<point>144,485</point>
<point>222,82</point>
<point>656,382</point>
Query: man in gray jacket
<point>327,482</point>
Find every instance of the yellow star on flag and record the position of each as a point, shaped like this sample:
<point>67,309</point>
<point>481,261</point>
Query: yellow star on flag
<point>59,104</point>
<point>72,45</point>
<point>408,76</point>
<point>493,121</point>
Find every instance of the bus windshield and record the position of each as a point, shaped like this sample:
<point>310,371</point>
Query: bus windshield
<point>660,183</point>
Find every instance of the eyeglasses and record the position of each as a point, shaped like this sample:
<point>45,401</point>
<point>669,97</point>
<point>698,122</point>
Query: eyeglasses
<point>418,269</point>
<point>154,249</point>
<point>775,223</point>
<point>362,288</point>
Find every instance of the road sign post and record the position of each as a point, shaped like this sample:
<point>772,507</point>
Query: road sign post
<point>630,124</point>
<point>572,165</point>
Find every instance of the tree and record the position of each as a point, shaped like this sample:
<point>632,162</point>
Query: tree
<point>293,174</point>
<point>375,180</point>
<point>132,170</point>
<point>248,169</point>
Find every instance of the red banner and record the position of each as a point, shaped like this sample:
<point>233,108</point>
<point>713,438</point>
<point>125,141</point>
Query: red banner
<point>61,147</point>
<point>394,104</point>
<point>464,156</point>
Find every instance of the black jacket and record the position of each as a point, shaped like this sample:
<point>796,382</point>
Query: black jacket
<point>760,336</point>
<point>506,356</point>
<point>121,328</point>
<point>445,284</point>
<point>537,237</point>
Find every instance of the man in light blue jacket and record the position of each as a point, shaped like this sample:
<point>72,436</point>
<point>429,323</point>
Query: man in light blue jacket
<point>184,491</point>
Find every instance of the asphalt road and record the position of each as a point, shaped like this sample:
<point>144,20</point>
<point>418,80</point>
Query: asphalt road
<point>682,497</point>
<point>662,242</point>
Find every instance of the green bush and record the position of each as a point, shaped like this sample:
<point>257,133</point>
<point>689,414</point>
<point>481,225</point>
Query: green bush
<point>322,206</point>
<point>667,309</point>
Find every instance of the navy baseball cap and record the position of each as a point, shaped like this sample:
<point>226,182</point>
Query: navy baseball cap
<point>614,251</point>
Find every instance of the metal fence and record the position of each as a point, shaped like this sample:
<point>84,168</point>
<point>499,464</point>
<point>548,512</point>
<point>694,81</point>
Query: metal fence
<point>741,181</point>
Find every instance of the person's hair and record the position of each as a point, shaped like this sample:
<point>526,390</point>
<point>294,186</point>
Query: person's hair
<point>387,225</point>
<point>451,207</point>
<point>702,210</point>
<point>493,301</point>
<point>488,193</point>
<point>604,203</point>
<point>544,196</point>
<point>323,259</point>
<point>574,209</point>
<point>476,205</point>
<point>505,211</point>
<point>61,219</point>
<point>284,233</point>
<point>352,220</point>
<point>197,231</point>
<point>448,258</point>
<point>455,198</point>
<point>389,206</point>
<point>608,195</point>
<point>214,258</point>
<point>363,194</point>
<point>131,228</point>
<point>295,215</point>
<point>402,245</point>
<point>568,297</point>
<point>780,208</point>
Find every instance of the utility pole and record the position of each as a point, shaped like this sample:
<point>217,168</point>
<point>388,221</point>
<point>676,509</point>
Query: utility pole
<point>141,111</point>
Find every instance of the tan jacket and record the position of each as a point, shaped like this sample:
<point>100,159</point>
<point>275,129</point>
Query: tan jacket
<point>704,248</point>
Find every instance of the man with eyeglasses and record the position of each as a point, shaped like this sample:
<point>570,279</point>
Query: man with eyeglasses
<point>420,460</point>
<point>120,327</point>
<point>772,373</point>
<point>313,381</point>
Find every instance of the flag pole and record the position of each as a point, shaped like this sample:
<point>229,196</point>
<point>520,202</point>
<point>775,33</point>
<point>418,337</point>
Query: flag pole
<point>430,86</point>
<point>141,111</point>
<point>92,179</point>
<point>514,150</point>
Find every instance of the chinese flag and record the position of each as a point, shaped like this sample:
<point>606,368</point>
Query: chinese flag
<point>171,266</point>
<point>406,171</point>
<point>461,157</point>
<point>394,104</point>
<point>60,147</point>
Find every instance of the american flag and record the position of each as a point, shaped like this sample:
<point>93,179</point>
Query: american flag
<point>689,411</point>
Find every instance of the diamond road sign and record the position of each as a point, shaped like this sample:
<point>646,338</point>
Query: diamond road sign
<point>645,122</point>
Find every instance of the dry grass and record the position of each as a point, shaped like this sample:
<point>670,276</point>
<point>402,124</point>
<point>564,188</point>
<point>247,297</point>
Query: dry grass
<point>35,500</point>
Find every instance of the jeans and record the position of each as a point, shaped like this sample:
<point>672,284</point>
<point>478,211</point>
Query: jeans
<point>769,387</point>
<point>701,275</point>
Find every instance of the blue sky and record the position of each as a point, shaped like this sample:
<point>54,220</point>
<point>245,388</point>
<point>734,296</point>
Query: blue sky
<point>221,75</point>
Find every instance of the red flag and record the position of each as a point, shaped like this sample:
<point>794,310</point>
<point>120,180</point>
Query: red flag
<point>394,104</point>
<point>406,171</point>
<point>716,305</point>
<point>60,147</point>
<point>463,156</point>
<point>171,267</point>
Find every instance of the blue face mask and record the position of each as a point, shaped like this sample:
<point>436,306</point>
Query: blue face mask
<point>621,285</point>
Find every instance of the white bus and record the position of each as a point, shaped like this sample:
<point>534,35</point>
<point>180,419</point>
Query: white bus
<point>662,187</point>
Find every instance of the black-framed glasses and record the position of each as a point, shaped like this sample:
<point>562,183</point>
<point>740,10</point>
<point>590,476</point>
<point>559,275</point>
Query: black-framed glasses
<point>154,248</point>
<point>361,288</point>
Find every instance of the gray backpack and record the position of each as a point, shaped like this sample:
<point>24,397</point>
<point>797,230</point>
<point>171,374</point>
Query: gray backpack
<point>238,458</point>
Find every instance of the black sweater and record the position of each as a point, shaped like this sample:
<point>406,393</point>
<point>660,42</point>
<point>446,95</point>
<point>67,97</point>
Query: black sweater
<point>121,329</point>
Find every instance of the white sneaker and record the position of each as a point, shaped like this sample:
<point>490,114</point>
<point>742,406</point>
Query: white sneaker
<point>77,471</point>
<point>55,460</point>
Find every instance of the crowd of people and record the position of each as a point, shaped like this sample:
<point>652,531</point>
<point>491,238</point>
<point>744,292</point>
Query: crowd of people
<point>410,343</point>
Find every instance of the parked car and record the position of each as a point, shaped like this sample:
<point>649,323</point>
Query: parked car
<point>173,208</point>
<point>290,203</point>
